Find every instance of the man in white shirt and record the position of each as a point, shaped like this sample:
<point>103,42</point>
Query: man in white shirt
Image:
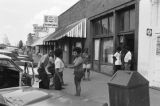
<point>117,58</point>
<point>59,67</point>
<point>59,64</point>
<point>127,59</point>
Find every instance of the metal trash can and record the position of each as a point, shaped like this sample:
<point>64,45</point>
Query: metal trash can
<point>128,88</point>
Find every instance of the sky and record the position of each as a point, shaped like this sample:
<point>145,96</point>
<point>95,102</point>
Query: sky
<point>18,16</point>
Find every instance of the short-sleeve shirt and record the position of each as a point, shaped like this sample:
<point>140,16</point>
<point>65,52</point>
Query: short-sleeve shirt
<point>128,57</point>
<point>59,64</point>
<point>78,63</point>
<point>118,58</point>
<point>44,59</point>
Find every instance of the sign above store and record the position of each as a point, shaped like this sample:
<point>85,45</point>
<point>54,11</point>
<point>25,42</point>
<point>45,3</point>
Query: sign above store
<point>50,21</point>
<point>37,28</point>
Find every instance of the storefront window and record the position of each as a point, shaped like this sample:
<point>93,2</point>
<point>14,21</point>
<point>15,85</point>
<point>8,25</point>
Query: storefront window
<point>121,22</point>
<point>96,49</point>
<point>98,28</point>
<point>105,26</point>
<point>132,19</point>
<point>111,26</point>
<point>107,50</point>
<point>127,20</point>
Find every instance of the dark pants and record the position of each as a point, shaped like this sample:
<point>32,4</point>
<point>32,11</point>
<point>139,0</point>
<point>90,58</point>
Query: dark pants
<point>127,66</point>
<point>61,75</point>
<point>57,82</point>
<point>44,83</point>
<point>117,67</point>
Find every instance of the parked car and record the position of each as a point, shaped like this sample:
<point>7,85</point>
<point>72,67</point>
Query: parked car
<point>11,75</point>
<point>10,54</point>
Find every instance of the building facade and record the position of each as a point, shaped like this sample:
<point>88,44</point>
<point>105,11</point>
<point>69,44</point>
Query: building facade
<point>112,24</point>
<point>108,25</point>
<point>135,23</point>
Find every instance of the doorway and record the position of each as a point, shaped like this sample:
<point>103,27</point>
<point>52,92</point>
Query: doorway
<point>128,40</point>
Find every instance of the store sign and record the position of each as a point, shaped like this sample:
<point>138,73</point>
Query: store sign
<point>149,32</point>
<point>50,21</point>
<point>37,28</point>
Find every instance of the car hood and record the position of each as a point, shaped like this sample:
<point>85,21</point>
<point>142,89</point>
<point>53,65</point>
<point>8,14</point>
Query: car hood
<point>24,97</point>
<point>29,96</point>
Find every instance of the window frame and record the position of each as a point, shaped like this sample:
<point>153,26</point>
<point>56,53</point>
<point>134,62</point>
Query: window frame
<point>126,15</point>
<point>101,51</point>
<point>101,33</point>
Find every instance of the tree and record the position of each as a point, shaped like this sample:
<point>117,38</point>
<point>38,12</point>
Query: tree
<point>30,39</point>
<point>20,44</point>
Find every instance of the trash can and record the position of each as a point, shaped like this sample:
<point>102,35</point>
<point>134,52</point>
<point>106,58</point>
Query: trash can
<point>128,88</point>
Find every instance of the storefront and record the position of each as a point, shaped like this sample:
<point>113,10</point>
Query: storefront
<point>73,35</point>
<point>136,24</point>
<point>110,29</point>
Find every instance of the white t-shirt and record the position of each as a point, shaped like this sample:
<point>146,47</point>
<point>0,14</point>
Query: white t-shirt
<point>128,57</point>
<point>118,58</point>
<point>59,64</point>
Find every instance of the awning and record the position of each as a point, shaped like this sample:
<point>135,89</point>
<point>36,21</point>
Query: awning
<point>75,30</point>
<point>39,41</point>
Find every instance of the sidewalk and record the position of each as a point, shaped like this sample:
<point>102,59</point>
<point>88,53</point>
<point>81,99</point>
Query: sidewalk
<point>97,88</point>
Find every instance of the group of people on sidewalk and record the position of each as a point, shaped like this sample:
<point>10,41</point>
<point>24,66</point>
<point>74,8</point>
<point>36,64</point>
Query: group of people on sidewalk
<point>122,59</point>
<point>52,65</point>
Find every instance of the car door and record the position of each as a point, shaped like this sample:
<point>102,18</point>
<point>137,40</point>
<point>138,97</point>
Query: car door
<point>9,74</point>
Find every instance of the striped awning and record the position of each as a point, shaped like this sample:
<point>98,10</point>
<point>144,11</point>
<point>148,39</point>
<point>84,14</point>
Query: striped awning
<point>75,30</point>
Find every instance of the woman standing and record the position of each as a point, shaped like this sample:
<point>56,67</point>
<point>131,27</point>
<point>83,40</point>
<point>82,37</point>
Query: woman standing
<point>78,69</point>
<point>86,64</point>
